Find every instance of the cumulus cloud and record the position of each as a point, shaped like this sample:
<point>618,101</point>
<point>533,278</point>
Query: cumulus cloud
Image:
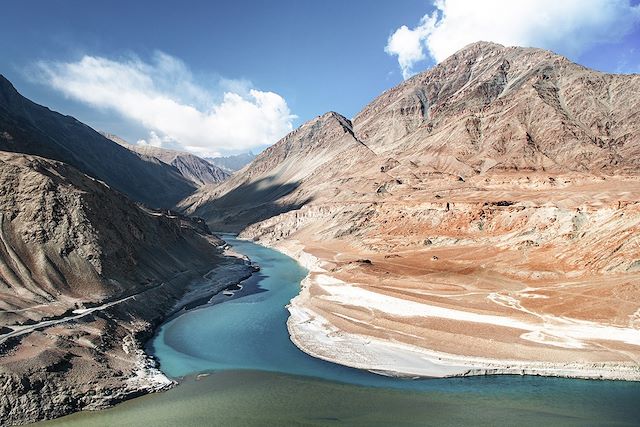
<point>408,43</point>
<point>163,97</point>
<point>565,26</point>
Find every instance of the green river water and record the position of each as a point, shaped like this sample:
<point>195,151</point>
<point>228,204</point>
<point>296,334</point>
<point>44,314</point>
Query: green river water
<point>252,375</point>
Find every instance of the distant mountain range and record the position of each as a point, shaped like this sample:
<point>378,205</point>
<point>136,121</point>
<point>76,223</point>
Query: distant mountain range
<point>232,164</point>
<point>190,166</point>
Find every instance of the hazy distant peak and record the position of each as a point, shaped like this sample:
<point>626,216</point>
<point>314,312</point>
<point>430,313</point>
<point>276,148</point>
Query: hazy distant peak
<point>232,163</point>
<point>115,138</point>
<point>194,168</point>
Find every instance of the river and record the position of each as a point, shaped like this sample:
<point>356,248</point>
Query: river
<point>251,374</point>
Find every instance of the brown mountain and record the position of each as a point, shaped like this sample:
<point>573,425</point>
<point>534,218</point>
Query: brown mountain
<point>85,275</point>
<point>29,128</point>
<point>484,110</point>
<point>476,218</point>
<point>85,272</point>
<point>195,169</point>
<point>489,107</point>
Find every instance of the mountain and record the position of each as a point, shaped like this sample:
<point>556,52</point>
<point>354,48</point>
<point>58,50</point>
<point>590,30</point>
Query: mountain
<point>489,107</point>
<point>86,273</point>
<point>231,164</point>
<point>271,184</point>
<point>476,218</point>
<point>195,169</point>
<point>29,128</point>
<point>71,248</point>
<point>486,109</point>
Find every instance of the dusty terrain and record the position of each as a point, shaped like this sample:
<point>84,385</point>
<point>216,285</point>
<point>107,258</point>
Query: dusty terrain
<point>85,276</point>
<point>29,128</point>
<point>532,286</point>
<point>481,217</point>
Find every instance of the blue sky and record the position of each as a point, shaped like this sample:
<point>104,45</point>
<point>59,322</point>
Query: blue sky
<point>281,62</point>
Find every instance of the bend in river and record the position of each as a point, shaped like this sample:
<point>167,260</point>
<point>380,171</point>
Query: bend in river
<point>258,377</point>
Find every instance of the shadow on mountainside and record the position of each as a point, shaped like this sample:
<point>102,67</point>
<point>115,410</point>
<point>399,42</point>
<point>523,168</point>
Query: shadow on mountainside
<point>250,203</point>
<point>29,128</point>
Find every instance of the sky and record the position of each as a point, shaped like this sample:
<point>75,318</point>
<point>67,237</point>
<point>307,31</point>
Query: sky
<point>215,77</point>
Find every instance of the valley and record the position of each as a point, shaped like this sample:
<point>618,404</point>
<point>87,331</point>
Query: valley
<point>479,219</point>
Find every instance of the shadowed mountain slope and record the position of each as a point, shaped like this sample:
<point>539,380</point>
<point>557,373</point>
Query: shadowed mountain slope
<point>29,128</point>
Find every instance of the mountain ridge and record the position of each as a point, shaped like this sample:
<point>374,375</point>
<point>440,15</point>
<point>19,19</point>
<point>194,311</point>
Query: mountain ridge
<point>500,186</point>
<point>457,129</point>
<point>194,168</point>
<point>30,128</point>
<point>554,84</point>
<point>276,172</point>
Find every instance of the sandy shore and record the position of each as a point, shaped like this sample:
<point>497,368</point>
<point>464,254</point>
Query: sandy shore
<point>317,336</point>
<point>146,377</point>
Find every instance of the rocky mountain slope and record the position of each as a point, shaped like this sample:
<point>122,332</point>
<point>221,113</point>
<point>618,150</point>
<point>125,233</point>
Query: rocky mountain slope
<point>479,217</point>
<point>85,274</point>
<point>485,110</point>
<point>29,128</point>
<point>195,169</point>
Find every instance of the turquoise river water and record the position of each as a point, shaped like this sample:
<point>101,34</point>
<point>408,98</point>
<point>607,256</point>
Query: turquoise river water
<point>236,366</point>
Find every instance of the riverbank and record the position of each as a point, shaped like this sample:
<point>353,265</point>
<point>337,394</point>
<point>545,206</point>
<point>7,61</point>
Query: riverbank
<point>220,347</point>
<point>147,377</point>
<point>95,357</point>
<point>350,340</point>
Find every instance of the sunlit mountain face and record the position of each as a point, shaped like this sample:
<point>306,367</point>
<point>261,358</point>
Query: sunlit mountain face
<point>296,213</point>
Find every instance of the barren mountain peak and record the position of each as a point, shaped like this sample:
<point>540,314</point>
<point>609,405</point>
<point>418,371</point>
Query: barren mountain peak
<point>332,118</point>
<point>492,106</point>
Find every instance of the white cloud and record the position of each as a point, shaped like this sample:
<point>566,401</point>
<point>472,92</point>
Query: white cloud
<point>408,44</point>
<point>164,98</point>
<point>565,26</point>
<point>156,140</point>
